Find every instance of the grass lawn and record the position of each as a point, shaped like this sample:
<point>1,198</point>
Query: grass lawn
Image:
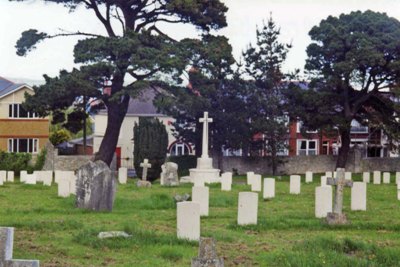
<point>50,229</point>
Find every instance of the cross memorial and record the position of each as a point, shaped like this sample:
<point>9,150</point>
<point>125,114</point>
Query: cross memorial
<point>337,216</point>
<point>145,165</point>
<point>6,250</point>
<point>206,120</point>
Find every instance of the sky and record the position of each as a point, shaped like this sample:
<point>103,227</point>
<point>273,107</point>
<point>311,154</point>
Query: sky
<point>294,17</point>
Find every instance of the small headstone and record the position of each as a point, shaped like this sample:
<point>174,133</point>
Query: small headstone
<point>269,188</point>
<point>366,177</point>
<point>122,175</point>
<point>323,181</point>
<point>329,174</point>
<point>145,165</point>
<point>247,208</point>
<point>226,181</point>
<point>112,234</point>
<point>22,176</point>
<point>377,177</point>
<point>6,250</point>
<point>30,179</point>
<point>397,177</point>
<point>188,220</point>
<point>359,196</point>
<point>169,174</point>
<point>3,177</point>
<point>96,187</point>
<point>386,177</point>
<point>10,176</point>
<point>207,254</point>
<point>309,177</point>
<point>38,176</point>
<point>295,183</point>
<point>348,176</point>
<point>63,187</point>
<point>181,198</point>
<point>47,177</point>
<point>256,185</point>
<point>141,183</point>
<point>323,201</point>
<point>249,176</point>
<point>201,195</point>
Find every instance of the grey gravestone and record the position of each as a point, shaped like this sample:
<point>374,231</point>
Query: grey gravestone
<point>337,216</point>
<point>6,250</point>
<point>207,254</point>
<point>96,187</point>
<point>169,174</point>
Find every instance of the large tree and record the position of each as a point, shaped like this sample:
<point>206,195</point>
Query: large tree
<point>354,63</point>
<point>133,48</point>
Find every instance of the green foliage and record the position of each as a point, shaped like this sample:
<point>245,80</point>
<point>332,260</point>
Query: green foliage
<point>40,160</point>
<point>59,136</point>
<point>28,41</point>
<point>150,142</point>
<point>184,163</point>
<point>14,161</point>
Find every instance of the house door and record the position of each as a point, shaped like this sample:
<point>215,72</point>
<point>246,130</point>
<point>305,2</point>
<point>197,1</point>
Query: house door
<point>118,153</point>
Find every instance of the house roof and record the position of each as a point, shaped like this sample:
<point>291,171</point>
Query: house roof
<point>7,87</point>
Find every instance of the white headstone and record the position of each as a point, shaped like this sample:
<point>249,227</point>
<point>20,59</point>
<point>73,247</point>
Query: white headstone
<point>309,177</point>
<point>295,183</point>
<point>329,174</point>
<point>377,177</point>
<point>58,175</point>
<point>256,184</point>
<point>22,176</point>
<point>64,187</point>
<point>46,177</point>
<point>397,177</point>
<point>269,188</point>
<point>226,181</point>
<point>247,208</point>
<point>38,176</point>
<point>249,177</point>
<point>201,195</point>
<point>30,179</point>
<point>10,176</point>
<point>323,180</point>
<point>323,201</point>
<point>72,182</point>
<point>188,220</point>
<point>348,176</point>
<point>386,177</point>
<point>359,196</point>
<point>398,191</point>
<point>366,177</point>
<point>122,175</point>
<point>3,177</point>
<point>1,181</point>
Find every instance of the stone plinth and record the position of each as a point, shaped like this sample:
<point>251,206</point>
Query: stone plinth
<point>256,185</point>
<point>188,220</point>
<point>226,181</point>
<point>201,195</point>
<point>386,177</point>
<point>269,188</point>
<point>309,177</point>
<point>247,208</point>
<point>366,177</point>
<point>207,254</point>
<point>122,175</point>
<point>359,196</point>
<point>207,175</point>
<point>295,183</point>
<point>377,177</point>
<point>323,201</point>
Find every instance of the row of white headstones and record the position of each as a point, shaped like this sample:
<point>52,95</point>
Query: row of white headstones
<point>189,212</point>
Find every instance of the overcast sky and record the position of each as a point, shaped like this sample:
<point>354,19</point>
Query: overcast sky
<point>295,18</point>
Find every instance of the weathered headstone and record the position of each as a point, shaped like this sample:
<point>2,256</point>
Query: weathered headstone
<point>309,177</point>
<point>6,250</point>
<point>348,176</point>
<point>366,177</point>
<point>144,183</point>
<point>169,174</point>
<point>201,195</point>
<point>359,196</point>
<point>188,220</point>
<point>386,177</point>
<point>249,176</point>
<point>256,184</point>
<point>377,177</point>
<point>269,188</point>
<point>247,208</point>
<point>122,175</point>
<point>337,216</point>
<point>323,180</point>
<point>323,201</point>
<point>207,254</point>
<point>10,176</point>
<point>96,187</point>
<point>226,181</point>
<point>295,184</point>
<point>64,187</point>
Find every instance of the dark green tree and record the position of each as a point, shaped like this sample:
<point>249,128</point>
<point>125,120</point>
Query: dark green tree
<point>263,64</point>
<point>150,140</point>
<point>133,48</point>
<point>354,63</point>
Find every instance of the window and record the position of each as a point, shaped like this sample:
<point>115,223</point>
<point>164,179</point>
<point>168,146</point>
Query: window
<point>17,111</point>
<point>300,125</point>
<point>356,127</point>
<point>179,149</point>
<point>325,148</point>
<point>307,147</point>
<point>27,145</point>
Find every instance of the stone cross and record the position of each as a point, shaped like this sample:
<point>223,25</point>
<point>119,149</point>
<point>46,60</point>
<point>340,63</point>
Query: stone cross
<point>205,120</point>
<point>6,250</point>
<point>207,254</point>
<point>145,165</point>
<point>337,216</point>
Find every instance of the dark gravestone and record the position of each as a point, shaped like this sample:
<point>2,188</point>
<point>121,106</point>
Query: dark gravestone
<point>95,187</point>
<point>6,250</point>
<point>207,254</point>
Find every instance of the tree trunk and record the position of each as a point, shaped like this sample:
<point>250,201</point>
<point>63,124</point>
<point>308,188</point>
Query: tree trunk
<point>116,113</point>
<point>344,149</point>
<point>84,125</point>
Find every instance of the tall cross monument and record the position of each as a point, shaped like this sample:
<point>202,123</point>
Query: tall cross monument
<point>205,120</point>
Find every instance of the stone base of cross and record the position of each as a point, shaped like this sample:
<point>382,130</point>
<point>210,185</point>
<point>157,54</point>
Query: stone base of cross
<point>6,250</point>
<point>337,216</point>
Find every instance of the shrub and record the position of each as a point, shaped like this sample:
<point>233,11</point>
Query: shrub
<point>184,163</point>
<point>21,161</point>
<point>59,136</point>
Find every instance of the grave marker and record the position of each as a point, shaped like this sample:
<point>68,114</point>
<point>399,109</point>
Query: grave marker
<point>256,183</point>
<point>359,196</point>
<point>377,177</point>
<point>207,254</point>
<point>348,176</point>
<point>226,181</point>
<point>386,177</point>
<point>366,177</point>
<point>247,208</point>
<point>269,188</point>
<point>309,177</point>
<point>22,175</point>
<point>10,176</point>
<point>249,176</point>
<point>323,180</point>
<point>3,177</point>
<point>30,179</point>
<point>122,175</point>
<point>188,220</point>
<point>323,201</point>
<point>295,184</point>
<point>201,195</point>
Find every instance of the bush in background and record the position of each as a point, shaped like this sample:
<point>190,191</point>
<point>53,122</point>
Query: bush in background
<point>184,163</point>
<point>18,162</point>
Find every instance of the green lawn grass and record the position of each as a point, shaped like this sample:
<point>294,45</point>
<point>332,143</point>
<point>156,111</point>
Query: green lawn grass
<point>50,229</point>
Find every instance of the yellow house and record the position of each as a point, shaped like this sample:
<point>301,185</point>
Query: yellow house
<point>20,131</point>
